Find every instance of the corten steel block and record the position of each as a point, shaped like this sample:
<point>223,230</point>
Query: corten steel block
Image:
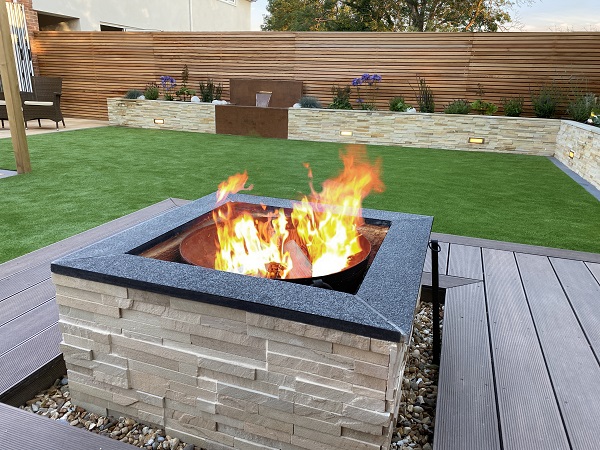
<point>252,121</point>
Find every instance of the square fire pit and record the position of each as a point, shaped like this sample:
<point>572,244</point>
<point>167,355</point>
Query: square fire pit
<point>224,360</point>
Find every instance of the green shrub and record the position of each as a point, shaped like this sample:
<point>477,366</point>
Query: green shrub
<point>133,94</point>
<point>210,91</point>
<point>545,101</point>
<point>341,98</point>
<point>399,105</point>
<point>152,92</point>
<point>424,96</point>
<point>580,109</point>
<point>458,107</point>
<point>184,93</point>
<point>484,107</point>
<point>513,107</point>
<point>310,102</point>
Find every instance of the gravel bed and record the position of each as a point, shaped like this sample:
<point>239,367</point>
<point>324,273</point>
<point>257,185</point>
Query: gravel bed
<point>55,403</point>
<point>416,417</point>
<point>414,428</point>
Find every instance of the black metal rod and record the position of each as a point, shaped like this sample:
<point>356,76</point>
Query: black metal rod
<point>435,300</point>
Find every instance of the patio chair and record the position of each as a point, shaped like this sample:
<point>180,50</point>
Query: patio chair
<point>4,112</point>
<point>46,101</point>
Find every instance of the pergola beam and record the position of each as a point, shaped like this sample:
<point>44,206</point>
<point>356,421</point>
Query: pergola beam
<point>10,83</point>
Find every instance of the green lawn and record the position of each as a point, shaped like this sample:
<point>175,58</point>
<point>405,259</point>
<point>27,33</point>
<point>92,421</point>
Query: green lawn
<point>81,179</point>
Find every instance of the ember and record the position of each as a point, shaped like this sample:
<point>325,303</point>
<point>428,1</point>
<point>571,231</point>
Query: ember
<point>319,237</point>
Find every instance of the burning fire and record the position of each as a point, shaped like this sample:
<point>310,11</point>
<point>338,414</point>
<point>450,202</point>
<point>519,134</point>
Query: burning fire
<point>319,238</point>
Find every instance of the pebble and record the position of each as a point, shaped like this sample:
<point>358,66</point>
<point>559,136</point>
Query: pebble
<point>416,416</point>
<point>55,403</point>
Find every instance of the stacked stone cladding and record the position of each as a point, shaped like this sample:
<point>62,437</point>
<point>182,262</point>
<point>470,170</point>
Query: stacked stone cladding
<point>502,134</point>
<point>181,116</point>
<point>224,378</point>
<point>584,141</point>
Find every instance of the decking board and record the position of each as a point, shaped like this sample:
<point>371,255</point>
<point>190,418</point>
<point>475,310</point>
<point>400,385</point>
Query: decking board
<point>583,292</point>
<point>19,281</point>
<point>528,413</point>
<point>465,261</point>
<point>595,269</point>
<point>28,357</point>
<point>40,317</point>
<point>25,300</point>
<point>568,356</point>
<point>442,259</point>
<point>27,430</point>
<point>466,399</point>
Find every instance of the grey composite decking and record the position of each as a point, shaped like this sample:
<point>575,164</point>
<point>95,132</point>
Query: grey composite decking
<point>29,334</point>
<point>22,429</point>
<point>519,366</point>
<point>520,351</point>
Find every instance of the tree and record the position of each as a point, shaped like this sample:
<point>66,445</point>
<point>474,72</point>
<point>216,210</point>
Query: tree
<point>389,15</point>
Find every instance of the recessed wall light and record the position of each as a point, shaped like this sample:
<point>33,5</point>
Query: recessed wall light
<point>476,140</point>
<point>159,121</point>
<point>346,133</point>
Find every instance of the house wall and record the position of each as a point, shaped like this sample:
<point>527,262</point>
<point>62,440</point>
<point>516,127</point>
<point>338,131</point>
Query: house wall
<point>159,15</point>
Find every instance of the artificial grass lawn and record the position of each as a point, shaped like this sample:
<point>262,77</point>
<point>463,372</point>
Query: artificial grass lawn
<point>82,179</point>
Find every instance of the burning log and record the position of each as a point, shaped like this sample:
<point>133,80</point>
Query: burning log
<point>302,265</point>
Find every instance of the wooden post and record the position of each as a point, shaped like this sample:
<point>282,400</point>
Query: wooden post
<point>10,83</point>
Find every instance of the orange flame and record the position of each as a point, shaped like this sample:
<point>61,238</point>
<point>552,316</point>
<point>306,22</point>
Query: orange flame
<point>324,226</point>
<point>233,185</point>
<point>331,236</point>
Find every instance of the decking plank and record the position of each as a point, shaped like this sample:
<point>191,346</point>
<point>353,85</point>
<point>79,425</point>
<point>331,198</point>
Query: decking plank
<point>528,413</point>
<point>70,244</point>
<point>442,259</point>
<point>25,301</point>
<point>566,350</point>
<point>466,415</point>
<point>465,261</point>
<point>18,282</point>
<point>515,247</point>
<point>25,430</point>
<point>17,330</point>
<point>583,292</point>
<point>595,269</point>
<point>28,357</point>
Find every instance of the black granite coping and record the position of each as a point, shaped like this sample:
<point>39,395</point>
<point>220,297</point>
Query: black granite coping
<point>382,308</point>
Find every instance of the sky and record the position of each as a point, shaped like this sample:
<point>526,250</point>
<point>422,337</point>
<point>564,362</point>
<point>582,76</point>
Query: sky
<point>542,15</point>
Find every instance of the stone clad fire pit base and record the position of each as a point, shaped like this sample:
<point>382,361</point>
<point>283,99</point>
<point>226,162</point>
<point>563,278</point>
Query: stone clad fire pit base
<point>229,372</point>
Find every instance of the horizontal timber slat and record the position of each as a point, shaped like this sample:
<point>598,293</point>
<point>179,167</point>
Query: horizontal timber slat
<point>96,65</point>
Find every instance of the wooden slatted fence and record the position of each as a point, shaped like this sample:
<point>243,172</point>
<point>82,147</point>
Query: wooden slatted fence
<point>96,65</point>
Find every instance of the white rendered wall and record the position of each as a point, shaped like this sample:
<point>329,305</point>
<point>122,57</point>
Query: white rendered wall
<point>152,15</point>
